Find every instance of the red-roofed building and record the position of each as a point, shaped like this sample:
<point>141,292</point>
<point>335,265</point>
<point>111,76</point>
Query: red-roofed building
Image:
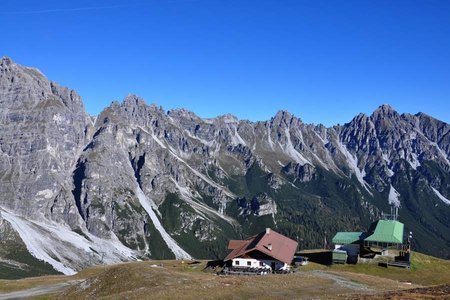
<point>267,250</point>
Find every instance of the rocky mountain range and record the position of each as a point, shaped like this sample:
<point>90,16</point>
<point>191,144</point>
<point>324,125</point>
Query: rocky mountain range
<point>139,182</point>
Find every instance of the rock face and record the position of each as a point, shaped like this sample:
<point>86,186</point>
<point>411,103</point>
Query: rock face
<point>44,128</point>
<point>145,183</point>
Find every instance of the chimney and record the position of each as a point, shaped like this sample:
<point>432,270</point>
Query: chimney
<point>267,230</point>
<point>269,247</point>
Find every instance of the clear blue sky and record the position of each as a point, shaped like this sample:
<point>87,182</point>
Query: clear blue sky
<point>325,61</point>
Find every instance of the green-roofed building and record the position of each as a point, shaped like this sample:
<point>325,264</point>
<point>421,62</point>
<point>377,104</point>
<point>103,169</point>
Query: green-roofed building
<point>349,243</point>
<point>381,235</point>
<point>384,233</point>
<point>342,238</point>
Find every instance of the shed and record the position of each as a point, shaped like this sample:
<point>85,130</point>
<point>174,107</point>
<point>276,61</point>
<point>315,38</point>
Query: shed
<point>339,256</point>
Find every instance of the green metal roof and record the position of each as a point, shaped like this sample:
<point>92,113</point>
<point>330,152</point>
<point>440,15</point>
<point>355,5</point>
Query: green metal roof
<point>346,237</point>
<point>386,231</point>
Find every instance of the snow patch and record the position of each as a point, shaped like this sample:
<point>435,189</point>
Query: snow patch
<point>353,163</point>
<point>51,150</point>
<point>63,248</point>
<point>393,197</point>
<point>173,153</point>
<point>222,208</point>
<point>203,177</point>
<point>227,119</point>
<point>47,194</point>
<point>413,161</point>
<point>324,140</point>
<point>318,159</point>
<point>292,152</point>
<point>389,172</point>
<point>57,118</point>
<point>440,196</point>
<point>153,135</point>
<point>385,156</point>
<point>269,139</point>
<point>199,207</point>
<point>203,141</point>
<point>269,208</point>
<point>158,141</point>
<point>33,242</point>
<point>149,205</point>
<point>236,139</point>
<point>441,152</point>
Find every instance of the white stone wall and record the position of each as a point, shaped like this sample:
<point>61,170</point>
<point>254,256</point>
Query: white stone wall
<point>254,263</point>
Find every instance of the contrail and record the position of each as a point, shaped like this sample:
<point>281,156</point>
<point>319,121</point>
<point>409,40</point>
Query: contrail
<point>57,10</point>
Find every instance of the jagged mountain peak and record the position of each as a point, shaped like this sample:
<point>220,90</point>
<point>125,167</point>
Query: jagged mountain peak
<point>286,118</point>
<point>138,104</point>
<point>6,60</point>
<point>16,73</point>
<point>425,116</point>
<point>8,65</point>
<point>385,108</point>
<point>283,114</point>
<point>384,111</point>
<point>227,118</point>
<point>361,117</point>
<point>41,92</point>
<point>133,100</point>
<point>183,113</point>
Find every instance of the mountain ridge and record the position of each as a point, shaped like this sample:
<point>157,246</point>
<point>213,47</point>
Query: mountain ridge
<point>137,181</point>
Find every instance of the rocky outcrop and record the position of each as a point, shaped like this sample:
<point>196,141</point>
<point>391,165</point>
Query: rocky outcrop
<point>302,173</point>
<point>44,128</point>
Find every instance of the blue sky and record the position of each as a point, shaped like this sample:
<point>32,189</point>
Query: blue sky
<point>324,61</point>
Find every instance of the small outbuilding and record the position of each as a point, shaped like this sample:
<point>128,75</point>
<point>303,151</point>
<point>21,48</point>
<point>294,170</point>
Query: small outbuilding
<point>268,250</point>
<point>349,243</point>
<point>339,256</point>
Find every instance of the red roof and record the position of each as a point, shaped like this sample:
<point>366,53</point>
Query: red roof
<point>234,244</point>
<point>268,242</point>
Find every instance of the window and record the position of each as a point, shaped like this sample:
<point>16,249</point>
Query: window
<point>249,263</point>
<point>236,263</point>
<point>261,264</point>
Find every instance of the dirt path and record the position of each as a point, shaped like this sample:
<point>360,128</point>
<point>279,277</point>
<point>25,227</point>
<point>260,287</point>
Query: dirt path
<point>38,291</point>
<point>343,282</point>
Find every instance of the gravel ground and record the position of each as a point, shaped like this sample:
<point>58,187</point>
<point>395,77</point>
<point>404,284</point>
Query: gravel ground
<point>343,282</point>
<point>38,291</point>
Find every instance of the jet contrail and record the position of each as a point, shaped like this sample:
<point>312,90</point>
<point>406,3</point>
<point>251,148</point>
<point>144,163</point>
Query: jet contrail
<point>57,10</point>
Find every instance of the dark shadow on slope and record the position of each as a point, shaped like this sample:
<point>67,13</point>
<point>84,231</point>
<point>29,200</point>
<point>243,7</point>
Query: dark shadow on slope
<point>78,176</point>
<point>137,164</point>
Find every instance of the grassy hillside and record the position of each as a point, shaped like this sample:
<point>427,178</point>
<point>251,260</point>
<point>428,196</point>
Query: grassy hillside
<point>425,270</point>
<point>189,280</point>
